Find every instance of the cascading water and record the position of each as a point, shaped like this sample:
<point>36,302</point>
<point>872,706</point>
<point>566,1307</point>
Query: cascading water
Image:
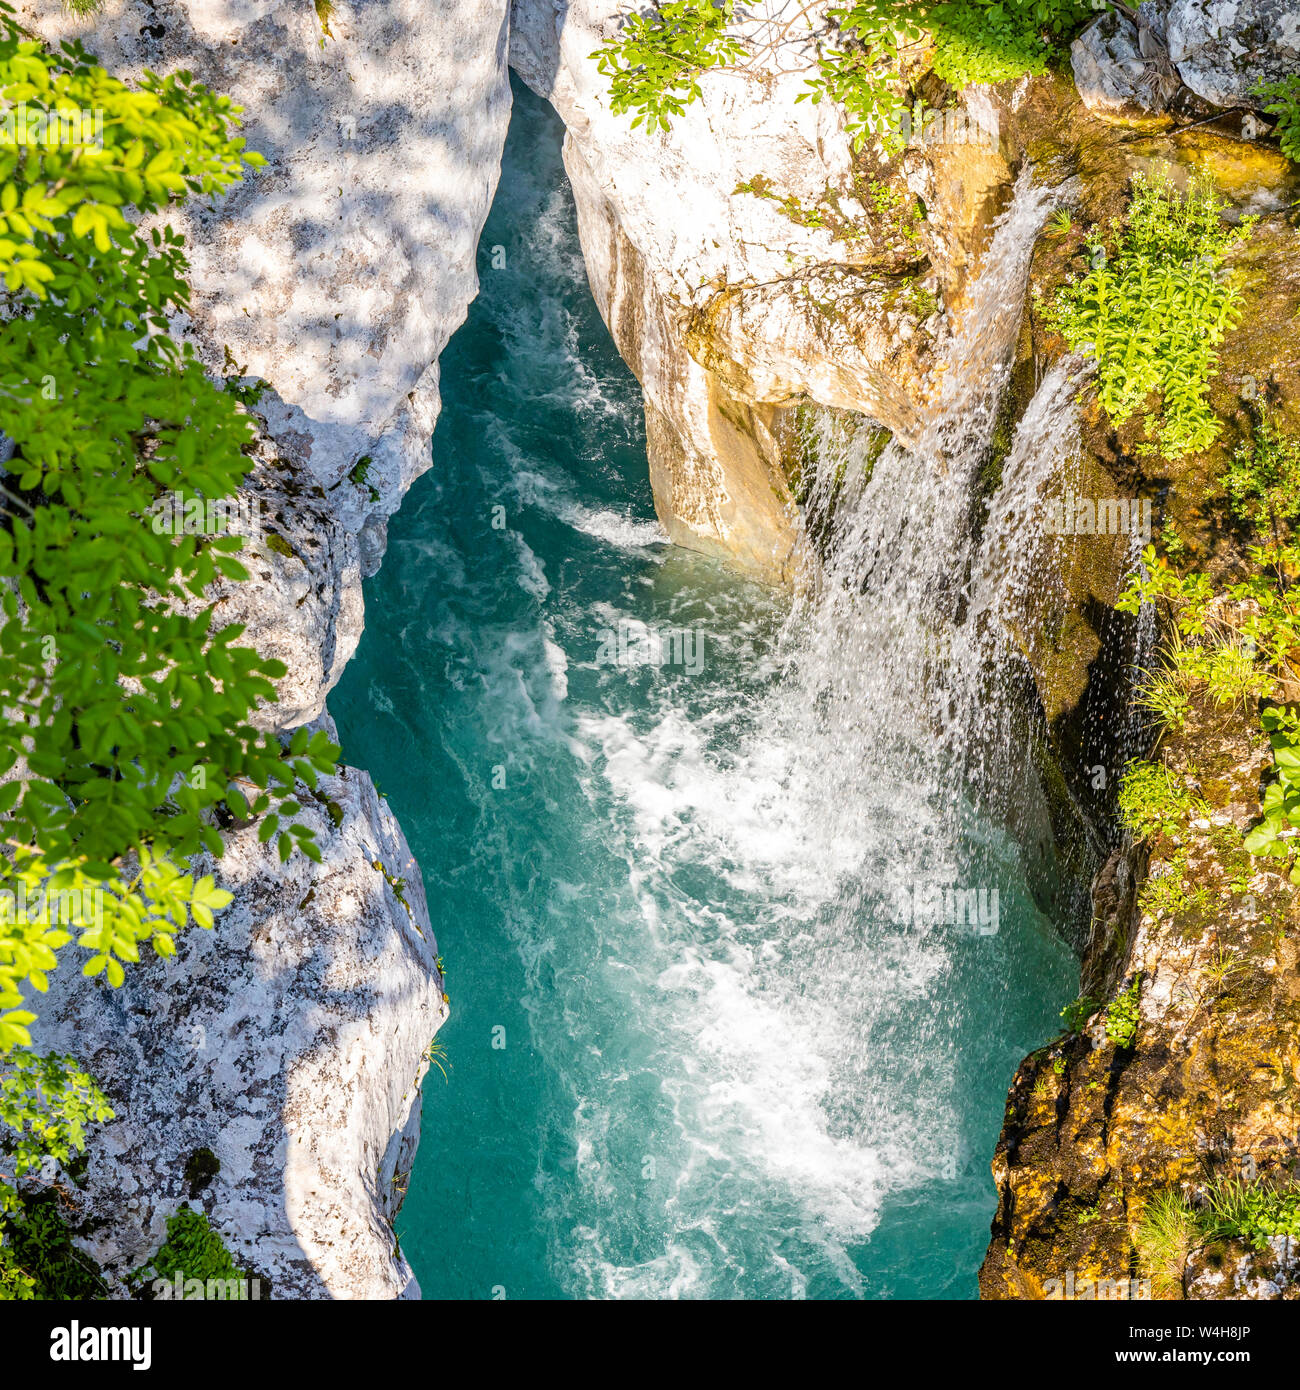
<point>695,1051</point>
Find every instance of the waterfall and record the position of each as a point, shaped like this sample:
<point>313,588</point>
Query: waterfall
<point>896,652</point>
<point>823,1030</point>
<point>721,1062</point>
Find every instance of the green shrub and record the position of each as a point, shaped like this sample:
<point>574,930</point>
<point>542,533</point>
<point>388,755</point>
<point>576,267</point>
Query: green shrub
<point>1152,800</point>
<point>1153,308</point>
<point>41,1260</point>
<point>1285,105</point>
<point>998,40</point>
<point>1123,1015</point>
<point>192,1249</point>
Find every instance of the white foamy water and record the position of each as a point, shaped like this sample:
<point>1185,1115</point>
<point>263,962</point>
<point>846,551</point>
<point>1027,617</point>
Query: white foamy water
<point>805,1040</point>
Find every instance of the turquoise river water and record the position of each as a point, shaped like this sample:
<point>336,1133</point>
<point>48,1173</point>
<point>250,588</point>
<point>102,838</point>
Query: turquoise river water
<point>689,1054</point>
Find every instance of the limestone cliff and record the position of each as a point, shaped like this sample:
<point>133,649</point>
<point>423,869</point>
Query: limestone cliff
<point>1191,939</point>
<point>288,1045</point>
<point>747,260</point>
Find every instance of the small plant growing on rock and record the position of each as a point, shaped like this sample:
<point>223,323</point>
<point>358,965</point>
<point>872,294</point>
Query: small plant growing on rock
<point>1285,105</point>
<point>1166,1234</point>
<point>1075,1015</point>
<point>1123,1016</point>
<point>1251,1211</point>
<point>1153,801</point>
<point>192,1249</point>
<point>1154,307</point>
<point>1263,481</point>
<point>1275,836</point>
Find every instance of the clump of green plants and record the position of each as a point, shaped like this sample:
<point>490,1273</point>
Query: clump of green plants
<point>1168,892</point>
<point>1153,308</point>
<point>1076,1014</point>
<point>827,213</point>
<point>1284,103</point>
<point>1166,1235</point>
<point>1165,693</point>
<point>1060,223</point>
<point>1251,1211</point>
<point>1275,836</point>
<point>1123,1015</point>
<point>1153,800</point>
<point>192,1249</point>
<point>860,65</point>
<point>38,1259</point>
<point>1263,480</point>
<point>1172,1226</point>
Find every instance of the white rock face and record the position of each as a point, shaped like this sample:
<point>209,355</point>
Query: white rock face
<point>1223,47</point>
<point>338,272</point>
<point>715,297</point>
<point>290,1042</point>
<point>1121,70</point>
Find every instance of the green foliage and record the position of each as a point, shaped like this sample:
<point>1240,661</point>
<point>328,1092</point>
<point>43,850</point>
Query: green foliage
<point>998,40</point>
<point>1153,801</point>
<point>1122,1015</point>
<point>1247,637</point>
<point>655,63</point>
<point>1166,1234</point>
<point>192,1249</point>
<point>1171,891</point>
<point>1250,1211</point>
<point>1171,1227</point>
<point>1165,694</point>
<point>45,1106</point>
<point>1285,105</point>
<point>129,729</point>
<point>1152,310</point>
<point>1263,481</point>
<point>1274,837</point>
<point>39,1260</point>
<point>1060,223</point>
<point>1078,1012</point>
<point>46,1102</point>
<point>860,68</point>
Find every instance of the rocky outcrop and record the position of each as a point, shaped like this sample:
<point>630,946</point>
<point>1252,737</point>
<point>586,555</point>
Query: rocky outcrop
<point>1222,48</point>
<point>290,1042</point>
<point>745,260</point>
<point>337,273</point>
<point>1191,941</point>
<point>1123,71</point>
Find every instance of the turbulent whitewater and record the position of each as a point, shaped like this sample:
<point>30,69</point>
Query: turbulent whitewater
<point>696,1048</point>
